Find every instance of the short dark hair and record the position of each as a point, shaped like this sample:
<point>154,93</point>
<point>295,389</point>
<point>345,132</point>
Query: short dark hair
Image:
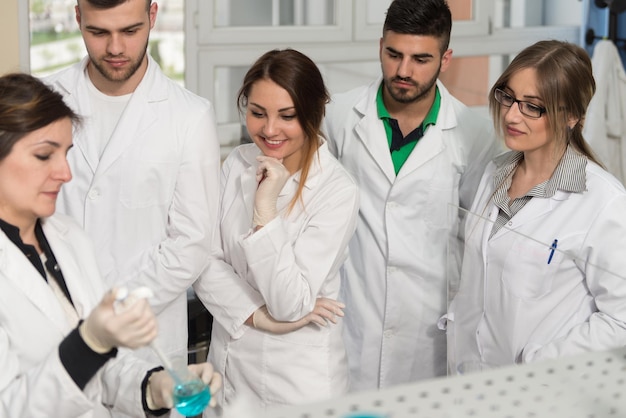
<point>26,105</point>
<point>109,4</point>
<point>420,17</point>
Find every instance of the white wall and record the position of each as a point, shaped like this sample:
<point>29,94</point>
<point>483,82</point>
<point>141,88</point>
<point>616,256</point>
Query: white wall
<point>14,46</point>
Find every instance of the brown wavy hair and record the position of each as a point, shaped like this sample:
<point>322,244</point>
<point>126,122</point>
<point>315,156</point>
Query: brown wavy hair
<point>300,77</point>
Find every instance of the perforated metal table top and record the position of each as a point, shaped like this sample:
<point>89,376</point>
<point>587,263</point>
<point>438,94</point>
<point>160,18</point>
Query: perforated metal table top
<point>591,385</point>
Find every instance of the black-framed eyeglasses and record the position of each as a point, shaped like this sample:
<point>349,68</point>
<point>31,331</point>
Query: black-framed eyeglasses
<point>526,108</point>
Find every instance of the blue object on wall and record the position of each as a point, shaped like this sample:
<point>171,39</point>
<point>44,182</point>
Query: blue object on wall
<point>604,19</point>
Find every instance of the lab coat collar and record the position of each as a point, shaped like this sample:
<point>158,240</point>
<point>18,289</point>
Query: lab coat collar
<point>250,152</point>
<point>248,181</point>
<point>315,171</point>
<point>72,81</point>
<point>432,143</point>
<point>19,271</point>
<point>138,116</point>
<point>371,132</point>
<point>535,208</point>
<point>135,119</point>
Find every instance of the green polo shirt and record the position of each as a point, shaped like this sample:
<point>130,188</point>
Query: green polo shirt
<point>401,146</point>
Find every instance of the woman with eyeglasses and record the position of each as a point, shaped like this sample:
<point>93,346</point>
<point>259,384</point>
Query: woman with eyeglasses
<point>544,267</point>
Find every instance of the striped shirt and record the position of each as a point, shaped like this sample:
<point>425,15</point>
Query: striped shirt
<point>568,176</point>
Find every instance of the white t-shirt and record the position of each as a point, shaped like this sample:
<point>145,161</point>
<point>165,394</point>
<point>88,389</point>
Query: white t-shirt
<point>106,111</point>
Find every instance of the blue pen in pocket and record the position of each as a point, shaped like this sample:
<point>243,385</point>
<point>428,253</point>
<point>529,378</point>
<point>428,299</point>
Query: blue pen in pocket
<point>552,249</point>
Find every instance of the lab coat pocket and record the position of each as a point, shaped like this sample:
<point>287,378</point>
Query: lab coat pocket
<point>148,183</point>
<point>296,366</point>
<point>526,272</point>
<point>442,190</point>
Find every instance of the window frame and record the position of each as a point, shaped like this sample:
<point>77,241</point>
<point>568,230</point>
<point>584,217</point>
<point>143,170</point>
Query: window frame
<point>211,35</point>
<point>479,26</point>
<point>225,47</point>
<point>24,34</point>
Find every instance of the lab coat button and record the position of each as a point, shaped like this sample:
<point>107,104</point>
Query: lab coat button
<point>510,223</point>
<point>391,269</point>
<point>388,333</point>
<point>93,194</point>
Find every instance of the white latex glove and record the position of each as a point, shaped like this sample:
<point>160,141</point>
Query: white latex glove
<point>324,310</point>
<point>161,385</point>
<point>271,175</point>
<point>107,327</point>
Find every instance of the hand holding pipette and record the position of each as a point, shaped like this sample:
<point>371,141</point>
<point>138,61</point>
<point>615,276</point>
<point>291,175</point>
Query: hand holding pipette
<point>125,300</point>
<point>105,329</point>
<point>185,387</point>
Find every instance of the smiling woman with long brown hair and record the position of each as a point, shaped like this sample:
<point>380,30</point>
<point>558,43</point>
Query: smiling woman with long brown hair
<point>288,211</point>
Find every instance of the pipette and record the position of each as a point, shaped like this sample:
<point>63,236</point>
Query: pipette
<point>122,298</point>
<point>191,395</point>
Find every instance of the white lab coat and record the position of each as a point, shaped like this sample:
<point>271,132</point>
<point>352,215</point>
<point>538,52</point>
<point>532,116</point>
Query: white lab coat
<point>515,307</point>
<point>605,123</point>
<point>292,261</point>
<point>33,381</point>
<point>150,202</point>
<point>394,281</point>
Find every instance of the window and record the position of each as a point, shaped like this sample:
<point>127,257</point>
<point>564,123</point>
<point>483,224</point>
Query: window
<point>208,44</point>
<point>341,36</point>
<point>56,41</point>
<point>268,21</point>
<point>471,17</point>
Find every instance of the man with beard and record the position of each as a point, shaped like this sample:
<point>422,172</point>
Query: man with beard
<point>417,154</point>
<point>146,164</point>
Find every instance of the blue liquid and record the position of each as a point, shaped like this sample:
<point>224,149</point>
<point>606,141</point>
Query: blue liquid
<point>191,398</point>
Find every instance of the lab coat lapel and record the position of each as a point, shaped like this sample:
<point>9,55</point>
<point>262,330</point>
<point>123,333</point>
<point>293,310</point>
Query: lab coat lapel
<point>315,171</point>
<point>248,189</point>
<point>248,181</point>
<point>16,268</point>
<point>66,257</point>
<point>138,116</point>
<point>76,81</point>
<point>432,143</point>
<point>371,132</point>
<point>429,146</point>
